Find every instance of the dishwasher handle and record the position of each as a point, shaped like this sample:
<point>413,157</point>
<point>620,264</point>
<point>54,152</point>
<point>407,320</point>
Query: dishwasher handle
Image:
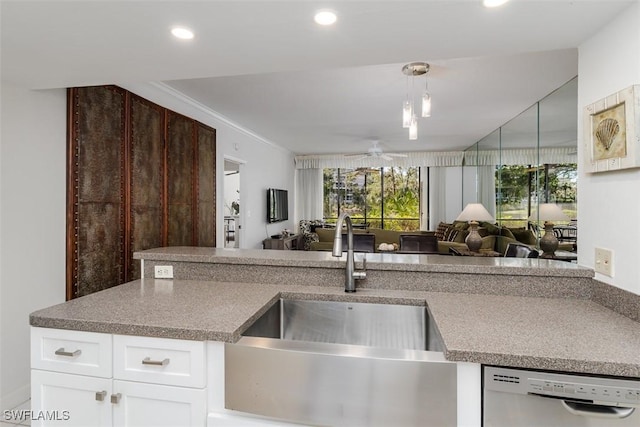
<point>592,410</point>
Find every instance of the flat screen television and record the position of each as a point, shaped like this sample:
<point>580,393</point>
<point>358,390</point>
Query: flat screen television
<point>277,205</point>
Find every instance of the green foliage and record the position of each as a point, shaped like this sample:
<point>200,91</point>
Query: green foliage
<point>367,193</point>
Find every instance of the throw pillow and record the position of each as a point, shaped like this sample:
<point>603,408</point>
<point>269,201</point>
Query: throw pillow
<point>506,232</point>
<point>448,232</point>
<point>461,236</point>
<point>442,227</point>
<point>491,228</point>
<point>524,236</point>
<point>307,239</point>
<point>461,225</point>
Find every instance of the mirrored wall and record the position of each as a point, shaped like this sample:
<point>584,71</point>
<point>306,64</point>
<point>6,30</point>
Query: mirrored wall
<point>528,161</point>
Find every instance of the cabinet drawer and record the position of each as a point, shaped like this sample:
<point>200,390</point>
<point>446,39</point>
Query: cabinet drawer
<point>74,352</point>
<point>159,361</point>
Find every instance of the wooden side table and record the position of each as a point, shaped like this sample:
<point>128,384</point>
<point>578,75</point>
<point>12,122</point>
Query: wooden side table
<point>288,243</point>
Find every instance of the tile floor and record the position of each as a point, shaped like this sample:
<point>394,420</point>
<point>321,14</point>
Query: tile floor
<point>22,422</point>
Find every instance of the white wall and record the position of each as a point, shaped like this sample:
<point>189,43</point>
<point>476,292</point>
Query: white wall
<point>265,165</point>
<point>608,203</point>
<point>32,254</point>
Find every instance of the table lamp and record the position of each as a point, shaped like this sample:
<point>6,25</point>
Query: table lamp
<point>473,213</point>
<point>548,212</point>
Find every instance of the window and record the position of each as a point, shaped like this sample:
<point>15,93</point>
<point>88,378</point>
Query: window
<point>520,188</point>
<point>387,197</point>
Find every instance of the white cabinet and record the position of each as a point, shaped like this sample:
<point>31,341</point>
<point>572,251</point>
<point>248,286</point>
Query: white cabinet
<point>153,405</point>
<point>93,379</point>
<point>69,400</point>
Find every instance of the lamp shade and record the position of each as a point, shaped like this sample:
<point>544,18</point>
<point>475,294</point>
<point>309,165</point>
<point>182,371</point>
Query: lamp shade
<point>548,212</point>
<point>474,212</point>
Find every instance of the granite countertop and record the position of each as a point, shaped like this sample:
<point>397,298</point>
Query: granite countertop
<point>375,261</point>
<point>540,333</point>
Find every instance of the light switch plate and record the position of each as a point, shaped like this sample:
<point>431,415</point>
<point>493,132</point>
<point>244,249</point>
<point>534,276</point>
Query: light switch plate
<point>163,271</point>
<point>604,261</point>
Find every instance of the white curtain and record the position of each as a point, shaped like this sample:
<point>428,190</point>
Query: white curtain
<point>487,188</point>
<point>437,196</point>
<point>309,194</point>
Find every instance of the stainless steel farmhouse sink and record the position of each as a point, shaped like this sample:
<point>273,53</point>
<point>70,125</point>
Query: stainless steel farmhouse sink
<point>338,363</point>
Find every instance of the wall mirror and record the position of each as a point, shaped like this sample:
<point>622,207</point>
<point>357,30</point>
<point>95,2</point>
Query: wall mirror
<point>531,159</point>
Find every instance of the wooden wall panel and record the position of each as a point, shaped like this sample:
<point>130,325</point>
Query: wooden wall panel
<point>138,176</point>
<point>206,186</point>
<point>146,179</point>
<point>180,185</point>
<point>96,246</point>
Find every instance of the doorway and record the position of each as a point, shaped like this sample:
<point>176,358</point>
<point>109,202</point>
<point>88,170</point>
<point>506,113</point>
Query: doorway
<point>232,206</point>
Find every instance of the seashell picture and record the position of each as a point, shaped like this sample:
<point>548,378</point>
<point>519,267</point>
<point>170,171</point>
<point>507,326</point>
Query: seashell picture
<point>611,128</point>
<point>609,133</point>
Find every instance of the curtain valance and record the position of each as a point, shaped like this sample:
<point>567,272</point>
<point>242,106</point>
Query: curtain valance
<point>521,156</point>
<point>413,159</point>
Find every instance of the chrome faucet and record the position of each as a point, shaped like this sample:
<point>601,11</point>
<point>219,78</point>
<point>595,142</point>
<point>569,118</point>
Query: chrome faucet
<point>351,275</point>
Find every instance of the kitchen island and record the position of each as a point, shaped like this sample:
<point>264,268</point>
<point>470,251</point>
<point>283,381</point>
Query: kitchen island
<point>537,314</point>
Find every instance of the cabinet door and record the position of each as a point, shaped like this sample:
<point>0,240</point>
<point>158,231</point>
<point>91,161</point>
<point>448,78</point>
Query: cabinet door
<point>180,182</point>
<point>153,405</point>
<point>69,400</point>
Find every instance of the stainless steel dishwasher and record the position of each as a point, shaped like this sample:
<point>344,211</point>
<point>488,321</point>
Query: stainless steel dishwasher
<point>514,398</point>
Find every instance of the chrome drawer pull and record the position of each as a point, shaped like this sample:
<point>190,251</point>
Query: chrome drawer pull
<point>115,398</point>
<point>61,352</point>
<point>148,361</point>
<point>100,395</point>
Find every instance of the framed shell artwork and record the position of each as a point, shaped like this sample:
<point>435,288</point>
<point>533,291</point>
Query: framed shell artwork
<point>611,134</point>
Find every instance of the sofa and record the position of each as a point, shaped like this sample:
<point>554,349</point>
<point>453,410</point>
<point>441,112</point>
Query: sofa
<point>313,236</point>
<point>325,237</point>
<point>494,238</point>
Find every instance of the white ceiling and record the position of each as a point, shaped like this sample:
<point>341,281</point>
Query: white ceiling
<point>268,67</point>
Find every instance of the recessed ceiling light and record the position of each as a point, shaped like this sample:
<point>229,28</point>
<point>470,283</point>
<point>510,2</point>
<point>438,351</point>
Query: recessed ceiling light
<point>182,33</point>
<point>325,17</point>
<point>493,3</point>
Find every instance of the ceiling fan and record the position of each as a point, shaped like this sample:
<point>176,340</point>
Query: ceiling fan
<point>375,151</point>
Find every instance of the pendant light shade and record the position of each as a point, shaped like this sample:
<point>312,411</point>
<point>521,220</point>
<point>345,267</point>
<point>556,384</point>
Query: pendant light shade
<point>407,113</point>
<point>413,128</point>
<point>426,104</point>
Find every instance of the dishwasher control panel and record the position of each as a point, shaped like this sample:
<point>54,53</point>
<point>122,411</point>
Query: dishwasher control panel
<point>584,390</point>
<point>610,391</point>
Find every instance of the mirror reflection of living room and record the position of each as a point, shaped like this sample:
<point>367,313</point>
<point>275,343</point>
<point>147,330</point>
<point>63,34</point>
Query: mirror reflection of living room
<point>231,204</point>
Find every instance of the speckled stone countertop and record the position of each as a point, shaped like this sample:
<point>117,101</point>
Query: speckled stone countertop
<point>541,333</point>
<point>375,261</point>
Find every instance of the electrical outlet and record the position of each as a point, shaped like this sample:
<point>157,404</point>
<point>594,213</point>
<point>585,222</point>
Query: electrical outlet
<point>163,271</point>
<point>604,261</point>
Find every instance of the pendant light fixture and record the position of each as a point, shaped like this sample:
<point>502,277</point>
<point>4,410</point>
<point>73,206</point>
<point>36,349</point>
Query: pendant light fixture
<point>409,119</point>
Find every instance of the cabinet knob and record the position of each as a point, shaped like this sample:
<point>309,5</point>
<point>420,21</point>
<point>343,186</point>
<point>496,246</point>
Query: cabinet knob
<point>62,352</point>
<point>115,398</point>
<point>148,361</point>
<point>100,395</point>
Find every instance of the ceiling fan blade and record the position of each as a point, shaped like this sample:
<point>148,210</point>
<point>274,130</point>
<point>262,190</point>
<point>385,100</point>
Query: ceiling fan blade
<point>355,155</point>
<point>396,155</point>
<point>358,158</point>
<point>386,157</point>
